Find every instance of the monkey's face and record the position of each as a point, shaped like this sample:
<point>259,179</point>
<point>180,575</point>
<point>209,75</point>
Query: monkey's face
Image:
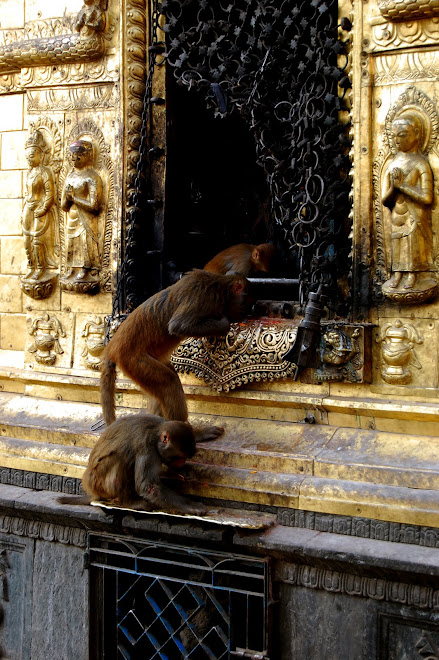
<point>262,256</point>
<point>176,444</point>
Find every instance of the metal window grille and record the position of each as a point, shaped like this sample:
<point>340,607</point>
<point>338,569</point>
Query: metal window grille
<point>282,69</point>
<point>153,600</point>
<point>280,66</point>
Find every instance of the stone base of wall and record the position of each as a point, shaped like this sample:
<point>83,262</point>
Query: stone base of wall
<point>335,595</point>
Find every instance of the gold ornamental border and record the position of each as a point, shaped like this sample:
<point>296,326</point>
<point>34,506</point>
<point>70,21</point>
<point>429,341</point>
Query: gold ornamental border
<point>251,351</point>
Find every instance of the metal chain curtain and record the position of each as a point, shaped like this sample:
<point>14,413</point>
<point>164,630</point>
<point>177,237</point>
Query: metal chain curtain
<point>277,64</point>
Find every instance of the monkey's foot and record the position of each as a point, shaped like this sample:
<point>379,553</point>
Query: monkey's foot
<point>138,505</point>
<point>206,433</point>
<point>197,509</point>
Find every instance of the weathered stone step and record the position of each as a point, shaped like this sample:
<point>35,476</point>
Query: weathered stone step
<point>307,492</point>
<point>256,445</point>
<point>60,436</point>
<point>43,457</point>
<point>282,401</point>
<point>310,493</point>
<point>326,452</point>
<point>348,471</point>
<point>45,420</point>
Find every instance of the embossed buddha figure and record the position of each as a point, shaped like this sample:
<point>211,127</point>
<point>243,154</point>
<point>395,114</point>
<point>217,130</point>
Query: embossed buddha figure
<point>82,201</point>
<point>408,193</point>
<point>39,214</point>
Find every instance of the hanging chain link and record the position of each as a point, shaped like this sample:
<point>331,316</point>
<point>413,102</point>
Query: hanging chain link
<point>277,64</point>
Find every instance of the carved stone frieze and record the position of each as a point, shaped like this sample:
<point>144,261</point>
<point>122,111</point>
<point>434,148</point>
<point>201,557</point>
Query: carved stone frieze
<point>46,331</point>
<point>397,347</point>
<point>87,199</point>
<point>94,335</point>
<point>385,36</point>
<point>40,217</point>
<point>312,577</point>
<point>379,530</point>
<point>72,98</point>
<point>249,352</point>
<point>404,201</point>
<point>41,481</point>
<point>46,531</point>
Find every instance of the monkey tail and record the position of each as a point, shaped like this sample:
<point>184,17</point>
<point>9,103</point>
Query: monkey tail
<point>108,390</point>
<point>74,499</point>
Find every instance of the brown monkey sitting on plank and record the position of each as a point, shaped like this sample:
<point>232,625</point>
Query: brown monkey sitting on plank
<point>126,462</point>
<point>244,259</point>
<point>200,304</point>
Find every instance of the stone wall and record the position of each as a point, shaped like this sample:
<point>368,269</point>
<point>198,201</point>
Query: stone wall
<point>328,596</point>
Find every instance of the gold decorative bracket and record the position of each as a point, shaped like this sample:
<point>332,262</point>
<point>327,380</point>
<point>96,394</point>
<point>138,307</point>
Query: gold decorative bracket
<point>254,352</point>
<point>251,351</point>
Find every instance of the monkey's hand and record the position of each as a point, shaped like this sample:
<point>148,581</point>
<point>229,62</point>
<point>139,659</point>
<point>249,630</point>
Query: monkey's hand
<point>206,433</point>
<point>162,498</point>
<point>140,505</point>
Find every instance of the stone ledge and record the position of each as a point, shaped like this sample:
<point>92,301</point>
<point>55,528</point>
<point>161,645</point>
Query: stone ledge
<point>333,551</point>
<point>359,526</point>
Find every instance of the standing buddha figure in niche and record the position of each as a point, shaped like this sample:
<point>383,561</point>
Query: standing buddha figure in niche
<point>82,201</point>
<point>408,193</point>
<point>39,213</point>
